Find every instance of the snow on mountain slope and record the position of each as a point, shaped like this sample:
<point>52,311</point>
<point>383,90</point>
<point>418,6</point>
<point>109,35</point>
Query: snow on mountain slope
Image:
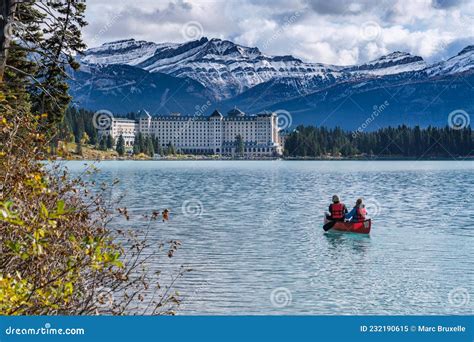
<point>226,68</point>
<point>393,63</point>
<point>462,62</point>
<point>128,51</point>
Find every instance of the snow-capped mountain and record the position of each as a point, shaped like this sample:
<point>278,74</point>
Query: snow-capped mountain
<point>228,69</point>
<point>462,62</point>
<point>225,68</point>
<point>127,51</point>
<point>393,63</point>
<point>120,88</point>
<point>128,75</point>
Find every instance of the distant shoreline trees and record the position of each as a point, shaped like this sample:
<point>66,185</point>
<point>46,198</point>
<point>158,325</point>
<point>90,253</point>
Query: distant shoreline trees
<point>310,141</point>
<point>404,141</point>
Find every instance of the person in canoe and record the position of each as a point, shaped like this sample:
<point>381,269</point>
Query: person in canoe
<point>165,215</point>
<point>358,213</point>
<point>337,210</point>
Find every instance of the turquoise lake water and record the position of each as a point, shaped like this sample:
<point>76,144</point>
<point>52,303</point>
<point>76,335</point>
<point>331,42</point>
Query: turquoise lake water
<point>252,233</point>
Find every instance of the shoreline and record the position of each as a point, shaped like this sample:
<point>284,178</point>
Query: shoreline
<point>190,158</point>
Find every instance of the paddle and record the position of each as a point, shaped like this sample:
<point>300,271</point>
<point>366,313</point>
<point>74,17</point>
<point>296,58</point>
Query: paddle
<point>329,225</point>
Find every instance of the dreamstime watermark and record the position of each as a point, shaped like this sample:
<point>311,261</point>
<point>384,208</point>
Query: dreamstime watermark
<point>459,297</point>
<point>46,330</point>
<point>449,216</point>
<point>281,297</point>
<point>458,119</point>
<point>192,30</point>
<point>199,111</point>
<point>284,119</point>
<point>373,207</point>
<point>286,23</point>
<point>376,111</point>
<point>102,119</point>
<point>106,27</point>
<point>13,30</point>
<point>315,278</point>
<point>280,209</point>
<point>192,208</point>
<point>370,30</point>
<point>195,296</point>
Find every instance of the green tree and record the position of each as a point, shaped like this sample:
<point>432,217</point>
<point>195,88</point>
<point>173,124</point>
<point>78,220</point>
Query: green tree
<point>62,41</point>
<point>149,146</point>
<point>136,145</point>
<point>141,143</point>
<point>239,145</point>
<point>157,145</point>
<point>170,150</point>
<point>103,143</point>
<point>79,148</point>
<point>110,141</point>
<point>120,145</point>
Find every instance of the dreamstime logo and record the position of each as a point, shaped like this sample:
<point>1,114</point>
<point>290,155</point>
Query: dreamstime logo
<point>102,119</point>
<point>193,208</point>
<point>376,111</point>
<point>281,297</point>
<point>373,207</point>
<point>286,24</point>
<point>458,297</point>
<point>315,279</point>
<point>280,209</point>
<point>199,112</point>
<point>13,30</point>
<point>103,297</point>
<point>106,27</point>
<point>458,119</point>
<point>370,30</point>
<point>284,119</point>
<point>192,30</point>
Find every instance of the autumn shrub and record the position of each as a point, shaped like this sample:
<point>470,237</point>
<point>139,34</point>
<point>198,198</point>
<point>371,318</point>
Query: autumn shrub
<point>58,255</point>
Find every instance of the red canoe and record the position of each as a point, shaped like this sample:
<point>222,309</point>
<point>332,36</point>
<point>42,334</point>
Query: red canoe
<point>353,227</point>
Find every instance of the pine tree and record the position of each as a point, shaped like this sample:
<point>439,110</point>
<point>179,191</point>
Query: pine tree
<point>170,149</point>
<point>149,146</point>
<point>120,145</point>
<point>110,141</point>
<point>62,41</point>
<point>157,145</point>
<point>80,129</point>
<point>136,145</point>
<point>103,143</point>
<point>79,148</point>
<point>239,145</point>
<point>141,143</point>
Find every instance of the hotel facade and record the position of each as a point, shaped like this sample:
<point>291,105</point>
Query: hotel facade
<point>214,134</point>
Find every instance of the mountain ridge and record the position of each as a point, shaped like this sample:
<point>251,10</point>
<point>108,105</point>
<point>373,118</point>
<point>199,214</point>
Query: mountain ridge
<point>228,69</point>
<point>228,75</point>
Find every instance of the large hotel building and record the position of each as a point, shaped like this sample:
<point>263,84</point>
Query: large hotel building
<point>214,134</point>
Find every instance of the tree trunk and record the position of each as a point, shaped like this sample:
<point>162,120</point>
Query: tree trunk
<point>7,10</point>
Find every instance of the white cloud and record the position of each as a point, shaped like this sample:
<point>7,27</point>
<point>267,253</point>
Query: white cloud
<point>336,32</point>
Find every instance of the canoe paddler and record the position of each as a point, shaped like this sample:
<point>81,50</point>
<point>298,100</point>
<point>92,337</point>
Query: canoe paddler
<point>165,215</point>
<point>337,210</point>
<point>358,213</point>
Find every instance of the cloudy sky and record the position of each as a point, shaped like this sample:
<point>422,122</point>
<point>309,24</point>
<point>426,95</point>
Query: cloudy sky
<point>328,31</point>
